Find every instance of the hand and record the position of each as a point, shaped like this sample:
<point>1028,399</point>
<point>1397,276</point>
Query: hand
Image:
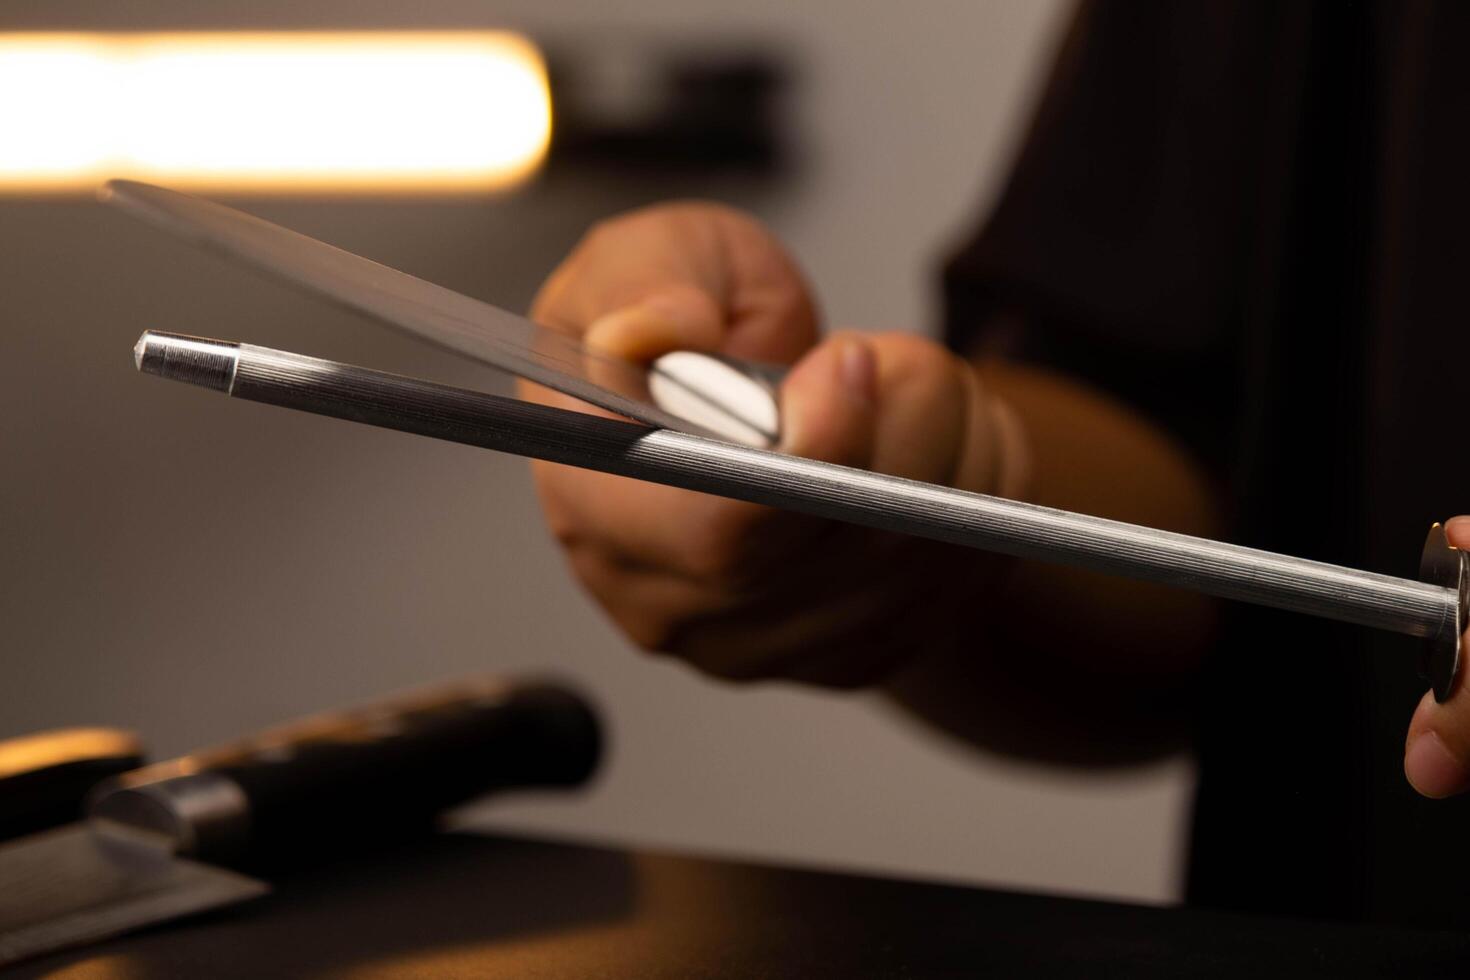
<point>1437,750</point>
<point>739,590</point>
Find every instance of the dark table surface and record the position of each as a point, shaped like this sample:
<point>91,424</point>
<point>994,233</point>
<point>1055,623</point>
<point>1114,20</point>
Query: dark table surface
<point>469,905</point>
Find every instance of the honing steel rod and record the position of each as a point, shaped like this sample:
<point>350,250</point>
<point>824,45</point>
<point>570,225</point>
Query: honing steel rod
<point>1430,610</point>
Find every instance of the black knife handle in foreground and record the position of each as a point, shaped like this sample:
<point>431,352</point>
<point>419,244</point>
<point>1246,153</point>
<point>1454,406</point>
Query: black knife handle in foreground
<point>44,777</point>
<point>349,779</point>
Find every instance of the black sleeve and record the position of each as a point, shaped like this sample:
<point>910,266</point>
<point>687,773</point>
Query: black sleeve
<point>1115,251</point>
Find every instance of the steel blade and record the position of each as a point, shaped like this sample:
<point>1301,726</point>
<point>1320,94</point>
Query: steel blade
<point>82,883</point>
<point>448,319</point>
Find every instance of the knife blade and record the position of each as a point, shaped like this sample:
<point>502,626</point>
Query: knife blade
<point>91,880</point>
<point>179,837</point>
<point>704,394</point>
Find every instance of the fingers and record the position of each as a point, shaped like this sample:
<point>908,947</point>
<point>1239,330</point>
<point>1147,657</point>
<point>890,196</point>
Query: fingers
<point>674,317</point>
<point>829,402</point>
<point>740,590</point>
<point>682,276</point>
<point>1437,750</point>
<point>679,316</point>
<point>1457,532</point>
<point>894,403</point>
<point>821,618</point>
<point>854,400</point>
<point>686,276</point>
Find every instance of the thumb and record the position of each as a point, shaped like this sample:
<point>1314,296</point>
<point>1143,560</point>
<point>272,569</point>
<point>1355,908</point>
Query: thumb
<point>829,402</point>
<point>1438,746</point>
<point>679,316</point>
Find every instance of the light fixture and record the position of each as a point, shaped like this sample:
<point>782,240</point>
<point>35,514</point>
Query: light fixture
<point>273,112</point>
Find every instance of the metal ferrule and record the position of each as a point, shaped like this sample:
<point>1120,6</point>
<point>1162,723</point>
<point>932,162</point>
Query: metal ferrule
<point>207,363</point>
<point>201,814</point>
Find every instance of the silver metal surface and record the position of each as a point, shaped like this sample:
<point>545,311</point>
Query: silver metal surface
<point>469,327</point>
<point>1419,609</point>
<point>187,360</point>
<point>92,880</point>
<point>1449,568</point>
<point>201,814</point>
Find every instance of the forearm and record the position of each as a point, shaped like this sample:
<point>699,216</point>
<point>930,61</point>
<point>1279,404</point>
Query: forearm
<point>1058,663</point>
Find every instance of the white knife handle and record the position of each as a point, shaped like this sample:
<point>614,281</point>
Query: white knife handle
<point>735,399</point>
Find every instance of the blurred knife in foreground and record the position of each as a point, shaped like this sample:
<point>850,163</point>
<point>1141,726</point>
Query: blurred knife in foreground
<point>156,842</point>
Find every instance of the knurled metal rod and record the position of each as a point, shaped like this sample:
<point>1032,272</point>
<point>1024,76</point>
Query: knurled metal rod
<point>826,490</point>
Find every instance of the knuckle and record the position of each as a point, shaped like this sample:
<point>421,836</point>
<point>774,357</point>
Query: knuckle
<point>924,372</point>
<point>603,230</point>
<point>701,210</point>
<point>612,230</point>
<point>649,634</point>
<point>567,533</point>
<point>722,546</point>
<point>914,356</point>
<point>645,627</point>
<point>547,301</point>
<point>605,236</point>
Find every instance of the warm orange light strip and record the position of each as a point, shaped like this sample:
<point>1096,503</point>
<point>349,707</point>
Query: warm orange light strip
<point>289,112</point>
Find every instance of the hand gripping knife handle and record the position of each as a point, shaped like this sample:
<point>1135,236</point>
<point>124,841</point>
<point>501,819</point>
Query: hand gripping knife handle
<point>352,779</point>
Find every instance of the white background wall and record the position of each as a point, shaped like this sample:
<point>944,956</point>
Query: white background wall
<point>193,568</point>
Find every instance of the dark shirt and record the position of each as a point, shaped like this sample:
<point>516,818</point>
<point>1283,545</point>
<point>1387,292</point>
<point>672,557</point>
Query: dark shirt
<point>1249,221</point>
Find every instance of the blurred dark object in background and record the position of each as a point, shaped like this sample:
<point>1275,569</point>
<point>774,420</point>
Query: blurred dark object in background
<point>685,110</point>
